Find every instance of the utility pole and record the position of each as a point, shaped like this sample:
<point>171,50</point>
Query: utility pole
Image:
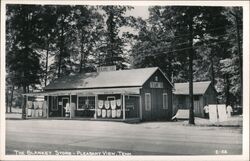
<point>191,53</point>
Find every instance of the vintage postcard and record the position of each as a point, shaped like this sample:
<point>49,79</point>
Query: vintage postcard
<point>124,80</point>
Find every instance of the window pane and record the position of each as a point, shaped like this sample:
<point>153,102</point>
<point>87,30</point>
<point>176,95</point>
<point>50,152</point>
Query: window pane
<point>86,102</point>
<point>165,101</point>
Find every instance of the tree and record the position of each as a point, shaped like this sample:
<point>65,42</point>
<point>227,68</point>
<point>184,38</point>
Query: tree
<point>113,47</point>
<point>154,44</point>
<point>179,33</point>
<point>47,35</point>
<point>22,59</point>
<point>232,65</point>
<point>89,28</point>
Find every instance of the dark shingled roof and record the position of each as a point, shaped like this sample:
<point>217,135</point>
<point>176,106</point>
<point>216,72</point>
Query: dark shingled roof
<point>119,78</point>
<point>199,88</point>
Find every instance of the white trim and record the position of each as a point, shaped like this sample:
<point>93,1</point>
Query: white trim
<point>133,95</point>
<point>157,68</point>
<point>70,105</point>
<point>123,106</point>
<point>166,77</point>
<point>150,102</point>
<point>89,92</point>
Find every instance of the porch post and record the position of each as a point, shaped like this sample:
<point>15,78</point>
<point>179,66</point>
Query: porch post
<point>123,105</point>
<point>48,106</point>
<point>26,109</point>
<point>70,105</point>
<point>96,99</point>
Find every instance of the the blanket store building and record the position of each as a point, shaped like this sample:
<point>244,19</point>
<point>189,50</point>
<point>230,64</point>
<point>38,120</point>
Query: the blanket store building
<point>140,94</point>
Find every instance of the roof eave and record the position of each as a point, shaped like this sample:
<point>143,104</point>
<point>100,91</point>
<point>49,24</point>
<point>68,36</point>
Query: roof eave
<point>157,68</point>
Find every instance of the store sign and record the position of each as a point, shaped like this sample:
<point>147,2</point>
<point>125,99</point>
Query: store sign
<point>156,85</point>
<point>106,68</point>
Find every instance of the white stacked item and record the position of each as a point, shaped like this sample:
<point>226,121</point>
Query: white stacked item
<point>103,113</point>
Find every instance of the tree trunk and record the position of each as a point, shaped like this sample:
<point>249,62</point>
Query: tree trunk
<point>11,97</point>
<point>240,59</point>
<point>212,71</point>
<point>7,101</point>
<point>24,103</point>
<point>213,76</point>
<point>82,56</point>
<point>227,93</point>
<point>170,67</point>
<point>61,52</point>
<point>46,72</point>
<point>191,53</point>
<point>111,27</point>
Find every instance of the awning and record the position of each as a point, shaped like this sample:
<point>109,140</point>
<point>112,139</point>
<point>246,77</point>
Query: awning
<point>87,92</point>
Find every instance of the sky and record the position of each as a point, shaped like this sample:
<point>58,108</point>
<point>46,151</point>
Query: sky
<point>139,11</point>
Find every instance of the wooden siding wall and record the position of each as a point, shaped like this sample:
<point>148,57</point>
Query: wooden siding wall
<point>198,106</point>
<point>210,97</point>
<point>182,102</point>
<point>157,112</point>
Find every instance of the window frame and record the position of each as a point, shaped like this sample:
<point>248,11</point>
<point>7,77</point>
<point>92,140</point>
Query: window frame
<point>81,109</point>
<point>165,101</point>
<point>148,103</point>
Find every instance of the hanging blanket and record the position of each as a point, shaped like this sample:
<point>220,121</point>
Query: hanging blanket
<point>118,102</point>
<point>118,113</point>
<point>108,113</point>
<point>103,113</point>
<point>113,113</point>
<point>99,112</point>
<point>106,104</point>
<point>100,103</point>
<point>113,104</point>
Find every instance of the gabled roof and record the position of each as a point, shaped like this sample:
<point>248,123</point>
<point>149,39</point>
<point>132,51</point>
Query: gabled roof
<point>199,88</point>
<point>119,78</point>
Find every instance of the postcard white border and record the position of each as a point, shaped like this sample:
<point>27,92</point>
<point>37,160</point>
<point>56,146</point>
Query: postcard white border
<point>244,4</point>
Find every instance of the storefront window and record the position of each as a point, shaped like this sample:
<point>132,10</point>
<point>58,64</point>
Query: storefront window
<point>109,106</point>
<point>85,102</point>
